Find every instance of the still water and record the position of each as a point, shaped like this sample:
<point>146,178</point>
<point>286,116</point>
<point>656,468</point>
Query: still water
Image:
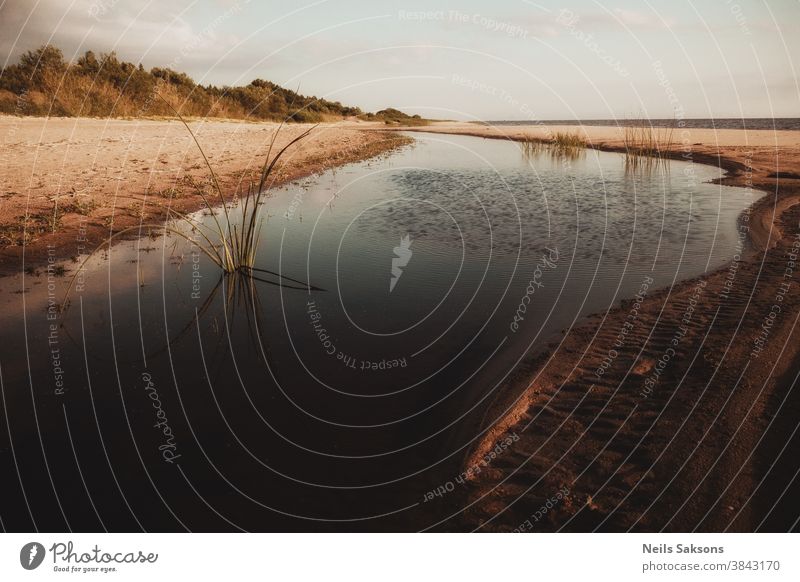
<point>170,398</point>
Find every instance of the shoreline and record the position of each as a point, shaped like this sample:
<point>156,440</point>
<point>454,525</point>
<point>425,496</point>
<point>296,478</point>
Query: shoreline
<point>70,183</point>
<point>669,445</point>
<point>620,443</point>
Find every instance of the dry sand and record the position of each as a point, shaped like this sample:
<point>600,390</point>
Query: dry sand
<point>65,180</point>
<point>601,136</point>
<point>693,425</point>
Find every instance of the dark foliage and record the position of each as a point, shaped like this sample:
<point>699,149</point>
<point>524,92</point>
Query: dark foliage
<point>43,83</point>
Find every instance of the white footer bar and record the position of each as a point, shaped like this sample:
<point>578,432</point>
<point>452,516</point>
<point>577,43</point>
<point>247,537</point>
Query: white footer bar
<point>400,557</point>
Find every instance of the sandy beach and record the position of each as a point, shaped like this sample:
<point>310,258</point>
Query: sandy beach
<point>603,137</point>
<point>71,183</point>
<point>674,424</point>
<point>369,268</point>
<point>693,405</point>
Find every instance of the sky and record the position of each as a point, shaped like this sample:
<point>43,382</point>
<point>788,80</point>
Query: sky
<point>457,59</point>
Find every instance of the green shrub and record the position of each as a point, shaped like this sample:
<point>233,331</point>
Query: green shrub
<point>104,86</point>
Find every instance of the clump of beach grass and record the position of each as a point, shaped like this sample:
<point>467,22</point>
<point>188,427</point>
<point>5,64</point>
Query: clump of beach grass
<point>568,145</point>
<point>568,140</point>
<point>646,147</point>
<point>231,246</point>
<point>560,145</point>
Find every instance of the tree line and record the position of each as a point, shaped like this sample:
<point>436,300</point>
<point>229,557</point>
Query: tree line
<point>44,83</point>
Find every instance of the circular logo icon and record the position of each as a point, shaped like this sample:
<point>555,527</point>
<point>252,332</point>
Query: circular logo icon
<point>31,555</point>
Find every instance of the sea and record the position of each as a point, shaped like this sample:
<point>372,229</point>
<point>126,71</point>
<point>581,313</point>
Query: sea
<point>776,123</point>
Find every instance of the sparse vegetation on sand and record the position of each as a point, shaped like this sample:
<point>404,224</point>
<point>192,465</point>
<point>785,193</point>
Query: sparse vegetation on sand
<point>44,83</point>
<point>560,144</point>
<point>568,140</point>
<point>646,146</point>
<point>29,227</point>
<point>231,246</point>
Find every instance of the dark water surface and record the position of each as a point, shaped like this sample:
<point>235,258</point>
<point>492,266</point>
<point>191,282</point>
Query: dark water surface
<point>169,398</point>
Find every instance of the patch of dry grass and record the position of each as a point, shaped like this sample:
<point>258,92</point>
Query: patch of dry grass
<point>646,146</point>
<point>560,146</point>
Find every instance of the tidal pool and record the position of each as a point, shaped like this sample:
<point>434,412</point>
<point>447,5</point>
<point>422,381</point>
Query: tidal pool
<point>170,398</point>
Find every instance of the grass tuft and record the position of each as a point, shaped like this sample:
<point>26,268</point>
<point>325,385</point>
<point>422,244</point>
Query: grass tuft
<point>646,146</point>
<point>230,246</point>
<point>560,146</point>
<point>568,140</point>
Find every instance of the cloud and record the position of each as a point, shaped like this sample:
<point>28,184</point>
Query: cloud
<point>136,29</point>
<point>621,19</point>
<point>631,17</point>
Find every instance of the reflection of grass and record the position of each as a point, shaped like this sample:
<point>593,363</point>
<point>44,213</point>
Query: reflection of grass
<point>561,146</point>
<point>568,146</point>
<point>645,147</point>
<point>239,294</point>
<point>532,147</point>
<point>568,140</point>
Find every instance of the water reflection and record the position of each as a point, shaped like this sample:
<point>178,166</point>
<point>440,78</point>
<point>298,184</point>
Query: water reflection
<point>327,392</point>
<point>640,164</point>
<point>558,152</point>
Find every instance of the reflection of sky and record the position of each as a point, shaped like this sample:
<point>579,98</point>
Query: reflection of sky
<point>716,59</point>
<point>448,314</point>
<point>465,202</point>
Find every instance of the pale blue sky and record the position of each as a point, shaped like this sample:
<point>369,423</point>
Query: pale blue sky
<point>464,59</point>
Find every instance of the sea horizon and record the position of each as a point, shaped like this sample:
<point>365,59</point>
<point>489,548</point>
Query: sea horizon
<point>770,123</point>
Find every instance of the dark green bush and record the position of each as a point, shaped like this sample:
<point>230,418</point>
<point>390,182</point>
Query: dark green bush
<point>43,83</point>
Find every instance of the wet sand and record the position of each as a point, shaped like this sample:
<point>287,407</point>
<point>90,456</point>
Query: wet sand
<point>675,411</point>
<point>69,183</point>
